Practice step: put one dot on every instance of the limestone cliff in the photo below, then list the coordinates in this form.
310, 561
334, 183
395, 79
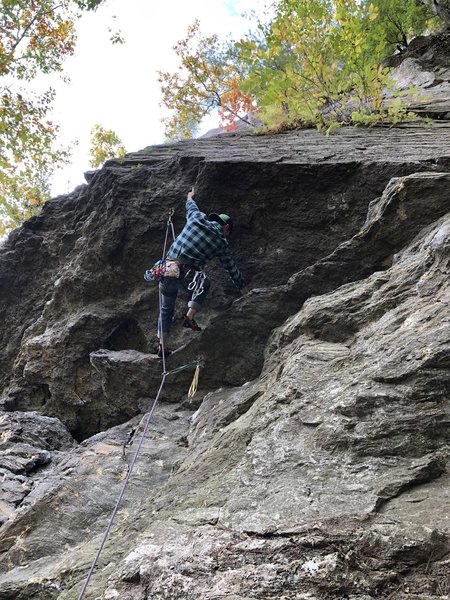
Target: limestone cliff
312, 463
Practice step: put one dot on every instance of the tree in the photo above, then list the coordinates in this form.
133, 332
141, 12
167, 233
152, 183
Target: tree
35, 38
105, 144
314, 61
291, 69
27, 156
401, 21
208, 79
319, 61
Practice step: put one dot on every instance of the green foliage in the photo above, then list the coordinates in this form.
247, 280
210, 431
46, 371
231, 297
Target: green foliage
208, 79
291, 68
312, 58
319, 61
105, 144
27, 158
115, 36
314, 62
402, 20
36, 36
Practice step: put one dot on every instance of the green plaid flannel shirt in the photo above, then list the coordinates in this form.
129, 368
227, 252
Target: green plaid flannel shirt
200, 241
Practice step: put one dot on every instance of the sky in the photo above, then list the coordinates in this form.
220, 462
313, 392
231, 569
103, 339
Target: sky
116, 85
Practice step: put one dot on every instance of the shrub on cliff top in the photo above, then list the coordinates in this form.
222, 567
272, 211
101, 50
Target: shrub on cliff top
313, 61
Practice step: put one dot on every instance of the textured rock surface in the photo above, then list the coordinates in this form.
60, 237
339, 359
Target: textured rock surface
313, 462
73, 276
29, 443
426, 67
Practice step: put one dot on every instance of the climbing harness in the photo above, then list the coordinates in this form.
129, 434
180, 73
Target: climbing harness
192, 390
157, 272
163, 268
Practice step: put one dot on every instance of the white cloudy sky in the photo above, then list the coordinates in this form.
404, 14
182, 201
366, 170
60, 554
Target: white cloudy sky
116, 85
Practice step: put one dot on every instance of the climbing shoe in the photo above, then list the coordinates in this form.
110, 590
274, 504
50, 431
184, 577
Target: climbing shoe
167, 352
191, 324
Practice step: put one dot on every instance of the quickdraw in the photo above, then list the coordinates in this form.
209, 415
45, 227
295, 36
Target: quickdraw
196, 285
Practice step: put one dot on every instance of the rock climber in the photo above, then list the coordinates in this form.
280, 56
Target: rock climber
201, 239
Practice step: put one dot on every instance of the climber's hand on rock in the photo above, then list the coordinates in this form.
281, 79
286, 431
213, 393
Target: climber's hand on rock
191, 194
244, 291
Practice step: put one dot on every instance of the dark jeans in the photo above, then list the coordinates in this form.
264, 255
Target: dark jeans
169, 287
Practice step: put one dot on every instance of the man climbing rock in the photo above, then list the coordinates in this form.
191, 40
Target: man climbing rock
202, 239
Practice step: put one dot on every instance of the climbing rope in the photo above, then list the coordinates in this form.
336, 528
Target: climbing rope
169, 224
194, 363
198, 364
122, 490
163, 345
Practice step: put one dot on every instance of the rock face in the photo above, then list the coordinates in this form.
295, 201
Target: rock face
313, 461
426, 67
29, 442
73, 277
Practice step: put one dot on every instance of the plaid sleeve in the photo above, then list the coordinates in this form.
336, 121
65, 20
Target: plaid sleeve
229, 265
191, 208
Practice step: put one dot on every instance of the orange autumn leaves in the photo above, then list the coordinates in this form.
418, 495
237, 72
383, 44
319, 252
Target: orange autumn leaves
312, 62
206, 80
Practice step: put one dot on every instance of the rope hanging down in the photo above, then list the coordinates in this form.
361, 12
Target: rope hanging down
162, 340
197, 363
122, 490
